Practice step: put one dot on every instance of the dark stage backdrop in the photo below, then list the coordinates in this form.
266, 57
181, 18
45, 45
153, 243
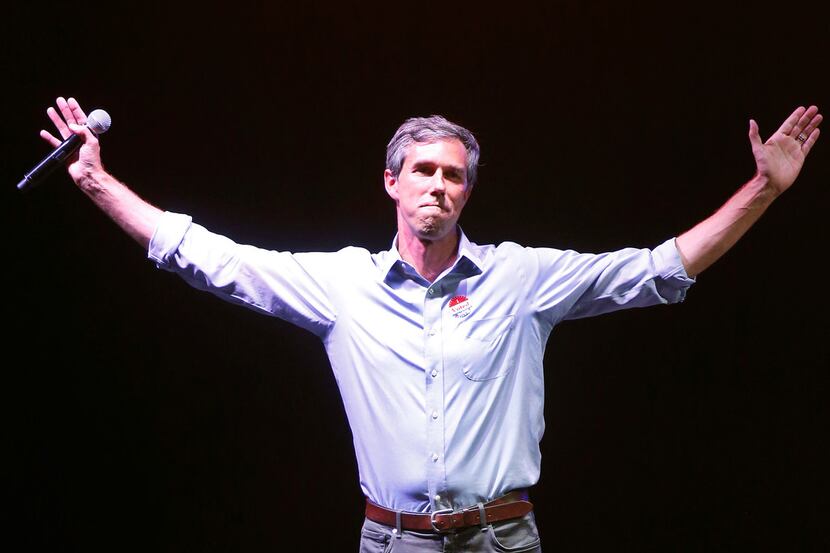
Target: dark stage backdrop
142, 415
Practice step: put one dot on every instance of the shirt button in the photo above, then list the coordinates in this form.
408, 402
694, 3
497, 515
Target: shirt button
434, 373
435, 414
437, 497
431, 291
434, 457
432, 332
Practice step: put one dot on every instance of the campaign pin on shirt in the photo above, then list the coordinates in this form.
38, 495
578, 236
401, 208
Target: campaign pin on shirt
460, 307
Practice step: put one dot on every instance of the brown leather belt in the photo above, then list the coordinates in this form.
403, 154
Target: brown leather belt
512, 505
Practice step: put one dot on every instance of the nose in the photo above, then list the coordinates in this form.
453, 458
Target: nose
437, 185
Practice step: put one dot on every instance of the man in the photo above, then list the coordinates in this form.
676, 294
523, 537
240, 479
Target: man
437, 344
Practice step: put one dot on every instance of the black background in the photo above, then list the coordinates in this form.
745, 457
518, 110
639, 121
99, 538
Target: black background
142, 415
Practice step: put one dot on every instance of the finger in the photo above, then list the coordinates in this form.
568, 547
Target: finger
813, 124
788, 124
804, 120
60, 124
75, 107
84, 132
808, 144
66, 111
78, 129
48, 137
754, 135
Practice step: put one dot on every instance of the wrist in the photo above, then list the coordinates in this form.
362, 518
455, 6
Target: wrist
92, 179
762, 189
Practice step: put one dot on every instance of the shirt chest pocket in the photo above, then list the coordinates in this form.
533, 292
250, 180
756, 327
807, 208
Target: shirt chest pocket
484, 349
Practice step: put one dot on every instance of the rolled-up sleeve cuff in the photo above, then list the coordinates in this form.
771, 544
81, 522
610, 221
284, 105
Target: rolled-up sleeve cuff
667, 262
673, 280
168, 235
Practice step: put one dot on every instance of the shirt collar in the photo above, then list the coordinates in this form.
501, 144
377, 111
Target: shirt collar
468, 260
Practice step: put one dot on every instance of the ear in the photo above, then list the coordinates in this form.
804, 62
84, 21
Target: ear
391, 184
468, 190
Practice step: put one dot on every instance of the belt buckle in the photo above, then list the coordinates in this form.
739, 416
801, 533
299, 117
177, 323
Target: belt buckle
439, 512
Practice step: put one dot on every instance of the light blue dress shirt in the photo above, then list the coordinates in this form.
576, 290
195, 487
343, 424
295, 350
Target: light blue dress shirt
442, 382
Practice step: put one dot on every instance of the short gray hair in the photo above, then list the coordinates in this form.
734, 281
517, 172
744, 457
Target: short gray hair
430, 129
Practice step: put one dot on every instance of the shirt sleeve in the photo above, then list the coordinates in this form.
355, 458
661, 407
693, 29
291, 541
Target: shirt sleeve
573, 285
291, 286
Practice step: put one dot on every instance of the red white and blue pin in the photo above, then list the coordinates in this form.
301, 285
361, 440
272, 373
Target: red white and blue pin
460, 307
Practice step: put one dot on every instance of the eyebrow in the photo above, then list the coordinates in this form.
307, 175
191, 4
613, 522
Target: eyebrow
428, 163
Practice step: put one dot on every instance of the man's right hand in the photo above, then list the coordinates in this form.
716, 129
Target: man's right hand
69, 118
135, 216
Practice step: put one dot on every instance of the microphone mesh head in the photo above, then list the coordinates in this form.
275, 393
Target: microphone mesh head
99, 121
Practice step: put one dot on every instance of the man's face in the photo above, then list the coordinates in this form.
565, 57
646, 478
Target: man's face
431, 189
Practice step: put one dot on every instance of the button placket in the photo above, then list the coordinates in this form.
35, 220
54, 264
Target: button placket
434, 404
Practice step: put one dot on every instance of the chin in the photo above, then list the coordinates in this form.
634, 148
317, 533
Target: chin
432, 229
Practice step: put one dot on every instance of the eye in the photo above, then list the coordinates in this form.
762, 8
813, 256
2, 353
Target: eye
426, 170
454, 176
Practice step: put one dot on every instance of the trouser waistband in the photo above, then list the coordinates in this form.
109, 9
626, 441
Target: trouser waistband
511, 505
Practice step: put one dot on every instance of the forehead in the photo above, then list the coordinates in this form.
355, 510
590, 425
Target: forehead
447, 152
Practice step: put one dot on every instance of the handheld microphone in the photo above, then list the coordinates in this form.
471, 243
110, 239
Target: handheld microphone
98, 121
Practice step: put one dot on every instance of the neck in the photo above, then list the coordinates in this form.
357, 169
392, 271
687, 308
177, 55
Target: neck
429, 257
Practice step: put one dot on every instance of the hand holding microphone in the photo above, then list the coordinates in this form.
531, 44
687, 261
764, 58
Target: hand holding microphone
78, 132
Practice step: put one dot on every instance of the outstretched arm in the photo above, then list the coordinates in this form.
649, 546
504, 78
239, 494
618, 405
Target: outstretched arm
778, 162
135, 216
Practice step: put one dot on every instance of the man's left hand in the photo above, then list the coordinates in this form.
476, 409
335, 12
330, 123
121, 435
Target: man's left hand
780, 158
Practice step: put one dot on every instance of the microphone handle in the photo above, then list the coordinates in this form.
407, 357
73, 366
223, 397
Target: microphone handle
50, 162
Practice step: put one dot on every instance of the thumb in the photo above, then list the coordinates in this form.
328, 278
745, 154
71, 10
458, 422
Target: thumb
78, 129
754, 136
83, 131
